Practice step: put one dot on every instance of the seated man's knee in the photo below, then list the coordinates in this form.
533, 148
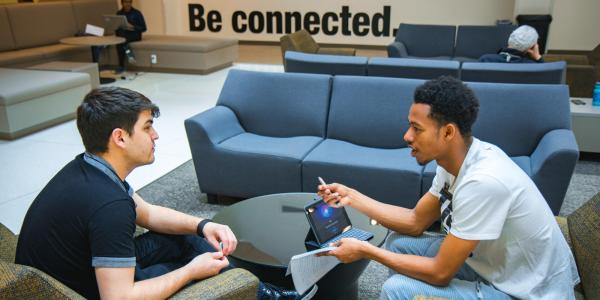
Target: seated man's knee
398, 287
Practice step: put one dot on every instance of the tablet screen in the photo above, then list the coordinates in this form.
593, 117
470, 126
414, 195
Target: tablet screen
326, 221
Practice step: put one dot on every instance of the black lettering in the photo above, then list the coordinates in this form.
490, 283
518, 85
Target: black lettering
195, 12
311, 18
292, 16
238, 15
214, 21
360, 19
334, 29
256, 22
274, 17
384, 18
345, 15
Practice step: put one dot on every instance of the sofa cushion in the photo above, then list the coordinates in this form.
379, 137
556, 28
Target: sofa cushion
40, 83
370, 111
92, 12
584, 229
182, 43
278, 105
292, 147
41, 23
256, 165
7, 41
388, 175
525, 112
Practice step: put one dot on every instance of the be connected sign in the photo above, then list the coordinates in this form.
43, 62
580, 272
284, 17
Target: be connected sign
344, 22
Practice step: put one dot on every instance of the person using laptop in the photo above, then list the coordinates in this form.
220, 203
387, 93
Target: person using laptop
131, 34
80, 228
500, 239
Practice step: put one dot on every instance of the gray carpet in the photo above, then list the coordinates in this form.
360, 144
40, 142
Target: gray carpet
179, 190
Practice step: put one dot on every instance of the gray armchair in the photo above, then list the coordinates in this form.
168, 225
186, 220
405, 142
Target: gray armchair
302, 41
413, 40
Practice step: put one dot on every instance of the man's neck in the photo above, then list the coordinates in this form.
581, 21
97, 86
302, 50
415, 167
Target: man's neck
454, 159
119, 166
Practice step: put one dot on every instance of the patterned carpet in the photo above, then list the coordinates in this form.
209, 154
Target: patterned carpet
179, 190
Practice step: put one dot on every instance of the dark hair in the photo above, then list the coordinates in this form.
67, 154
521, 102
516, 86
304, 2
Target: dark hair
106, 108
451, 101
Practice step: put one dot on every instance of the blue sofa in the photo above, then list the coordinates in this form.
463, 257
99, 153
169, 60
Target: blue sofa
550, 73
544, 73
467, 43
276, 132
300, 62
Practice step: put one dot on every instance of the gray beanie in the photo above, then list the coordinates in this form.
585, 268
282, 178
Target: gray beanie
523, 38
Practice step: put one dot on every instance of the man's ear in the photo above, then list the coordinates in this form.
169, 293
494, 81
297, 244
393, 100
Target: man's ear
117, 137
450, 130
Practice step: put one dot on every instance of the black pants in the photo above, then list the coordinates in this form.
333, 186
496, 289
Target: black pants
157, 254
130, 36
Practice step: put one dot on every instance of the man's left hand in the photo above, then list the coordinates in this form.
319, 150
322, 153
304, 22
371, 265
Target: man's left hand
349, 250
215, 233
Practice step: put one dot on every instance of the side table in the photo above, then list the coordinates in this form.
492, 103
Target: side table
586, 125
95, 42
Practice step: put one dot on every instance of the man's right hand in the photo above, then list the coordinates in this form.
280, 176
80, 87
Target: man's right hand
534, 52
335, 194
207, 265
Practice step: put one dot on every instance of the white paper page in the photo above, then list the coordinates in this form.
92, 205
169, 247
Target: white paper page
94, 30
307, 268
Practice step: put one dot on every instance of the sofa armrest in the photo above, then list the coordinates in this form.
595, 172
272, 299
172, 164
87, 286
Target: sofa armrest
581, 80
216, 124
233, 284
570, 59
337, 51
552, 165
25, 282
397, 49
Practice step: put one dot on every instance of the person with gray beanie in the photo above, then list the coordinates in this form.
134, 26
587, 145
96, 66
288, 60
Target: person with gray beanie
522, 48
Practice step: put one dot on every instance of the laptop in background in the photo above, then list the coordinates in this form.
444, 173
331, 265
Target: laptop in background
114, 22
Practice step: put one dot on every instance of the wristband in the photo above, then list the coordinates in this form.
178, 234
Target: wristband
200, 228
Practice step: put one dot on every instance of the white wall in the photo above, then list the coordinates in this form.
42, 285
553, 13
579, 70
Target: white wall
454, 12
575, 23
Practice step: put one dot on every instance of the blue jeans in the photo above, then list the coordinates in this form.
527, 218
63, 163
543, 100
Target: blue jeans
466, 283
157, 254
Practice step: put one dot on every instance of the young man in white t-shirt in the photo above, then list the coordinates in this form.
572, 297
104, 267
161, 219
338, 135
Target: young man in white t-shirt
500, 238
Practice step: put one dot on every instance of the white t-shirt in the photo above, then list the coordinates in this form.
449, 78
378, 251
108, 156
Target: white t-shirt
522, 251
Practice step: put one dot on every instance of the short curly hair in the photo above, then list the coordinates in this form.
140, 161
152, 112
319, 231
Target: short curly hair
451, 101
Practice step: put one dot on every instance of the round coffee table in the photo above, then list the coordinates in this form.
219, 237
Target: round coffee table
271, 229
95, 42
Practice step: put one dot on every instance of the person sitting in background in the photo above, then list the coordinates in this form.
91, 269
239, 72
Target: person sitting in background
138, 25
522, 48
